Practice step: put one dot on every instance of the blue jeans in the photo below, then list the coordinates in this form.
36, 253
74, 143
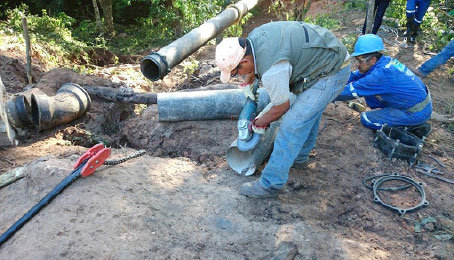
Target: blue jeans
299, 127
417, 9
441, 58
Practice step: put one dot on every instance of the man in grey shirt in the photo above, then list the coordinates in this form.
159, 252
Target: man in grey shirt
303, 68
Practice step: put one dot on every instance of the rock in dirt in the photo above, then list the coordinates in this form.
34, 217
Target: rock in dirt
285, 251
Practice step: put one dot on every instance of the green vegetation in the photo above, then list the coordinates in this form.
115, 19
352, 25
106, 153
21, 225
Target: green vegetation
349, 41
65, 32
56, 43
437, 24
62, 39
324, 20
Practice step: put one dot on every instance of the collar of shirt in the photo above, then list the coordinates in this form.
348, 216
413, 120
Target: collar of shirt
383, 59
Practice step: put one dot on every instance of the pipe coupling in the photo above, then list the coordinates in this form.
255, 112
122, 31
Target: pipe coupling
154, 66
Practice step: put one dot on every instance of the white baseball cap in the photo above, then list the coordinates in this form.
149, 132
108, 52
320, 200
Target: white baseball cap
229, 53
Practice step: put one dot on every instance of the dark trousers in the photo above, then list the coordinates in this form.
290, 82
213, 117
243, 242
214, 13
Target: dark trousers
379, 10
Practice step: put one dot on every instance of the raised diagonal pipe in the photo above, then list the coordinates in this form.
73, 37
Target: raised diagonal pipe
157, 64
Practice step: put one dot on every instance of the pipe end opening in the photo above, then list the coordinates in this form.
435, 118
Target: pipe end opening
154, 67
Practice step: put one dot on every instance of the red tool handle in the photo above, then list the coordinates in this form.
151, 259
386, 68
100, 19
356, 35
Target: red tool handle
88, 154
95, 161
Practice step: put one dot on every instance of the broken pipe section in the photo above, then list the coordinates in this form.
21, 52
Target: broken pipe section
220, 104
246, 162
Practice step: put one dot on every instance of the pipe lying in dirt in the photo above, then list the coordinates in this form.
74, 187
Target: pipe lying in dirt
157, 64
70, 102
246, 162
205, 105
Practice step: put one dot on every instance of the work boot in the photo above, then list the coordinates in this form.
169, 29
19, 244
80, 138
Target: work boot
415, 32
255, 190
419, 73
410, 28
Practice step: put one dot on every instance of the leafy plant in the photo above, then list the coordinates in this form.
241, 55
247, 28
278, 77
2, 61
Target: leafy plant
355, 5
324, 20
236, 30
293, 10
190, 66
349, 41
51, 36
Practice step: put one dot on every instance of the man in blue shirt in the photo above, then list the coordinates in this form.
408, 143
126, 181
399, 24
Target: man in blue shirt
396, 95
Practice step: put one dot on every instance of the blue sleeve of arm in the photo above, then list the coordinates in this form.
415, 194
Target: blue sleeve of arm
346, 94
374, 83
354, 76
373, 102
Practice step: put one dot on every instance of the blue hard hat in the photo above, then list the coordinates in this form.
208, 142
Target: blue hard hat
368, 43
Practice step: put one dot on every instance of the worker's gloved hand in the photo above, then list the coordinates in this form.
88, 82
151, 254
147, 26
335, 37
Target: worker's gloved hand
357, 106
248, 90
257, 129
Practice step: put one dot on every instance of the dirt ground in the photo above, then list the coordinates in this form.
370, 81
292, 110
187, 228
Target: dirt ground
181, 201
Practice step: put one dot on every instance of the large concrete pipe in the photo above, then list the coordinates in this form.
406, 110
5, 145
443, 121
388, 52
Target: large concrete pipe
70, 102
246, 162
205, 105
157, 64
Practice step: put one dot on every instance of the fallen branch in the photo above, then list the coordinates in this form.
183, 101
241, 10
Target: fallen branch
121, 95
8, 161
12, 176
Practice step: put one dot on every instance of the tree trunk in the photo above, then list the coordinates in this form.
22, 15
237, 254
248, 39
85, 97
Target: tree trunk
106, 6
370, 16
99, 28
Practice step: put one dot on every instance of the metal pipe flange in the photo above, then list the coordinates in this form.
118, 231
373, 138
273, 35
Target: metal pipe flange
374, 178
418, 185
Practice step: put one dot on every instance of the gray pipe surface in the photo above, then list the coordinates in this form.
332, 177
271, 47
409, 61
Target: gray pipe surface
70, 102
157, 64
205, 105
246, 162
